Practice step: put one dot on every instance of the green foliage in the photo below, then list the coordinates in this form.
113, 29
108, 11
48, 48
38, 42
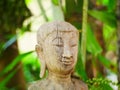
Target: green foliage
110, 37
5, 81
73, 6
100, 84
92, 44
101, 87
11, 19
110, 4
55, 2
103, 2
4, 88
105, 17
14, 63
107, 63
31, 67
13, 12
27, 2
8, 43
79, 69
31, 73
10, 67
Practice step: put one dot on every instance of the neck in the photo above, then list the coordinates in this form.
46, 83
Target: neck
60, 78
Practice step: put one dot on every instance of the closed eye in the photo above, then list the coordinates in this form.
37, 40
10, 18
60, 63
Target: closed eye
73, 45
59, 45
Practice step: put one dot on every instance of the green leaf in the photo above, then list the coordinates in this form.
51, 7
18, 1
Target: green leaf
73, 6
4, 88
107, 63
112, 5
92, 44
110, 37
27, 2
28, 75
108, 32
103, 2
101, 87
5, 81
14, 63
105, 17
55, 2
79, 69
8, 43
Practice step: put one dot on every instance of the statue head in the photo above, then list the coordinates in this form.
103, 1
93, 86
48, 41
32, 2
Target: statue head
57, 47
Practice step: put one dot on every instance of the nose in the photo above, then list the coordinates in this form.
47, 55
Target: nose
67, 52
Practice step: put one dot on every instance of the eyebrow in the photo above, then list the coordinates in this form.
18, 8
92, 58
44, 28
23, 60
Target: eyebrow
57, 38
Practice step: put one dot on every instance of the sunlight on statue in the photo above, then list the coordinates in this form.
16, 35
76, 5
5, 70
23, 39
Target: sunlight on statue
57, 50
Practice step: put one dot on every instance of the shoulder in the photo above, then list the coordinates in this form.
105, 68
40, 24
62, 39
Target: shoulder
37, 85
80, 84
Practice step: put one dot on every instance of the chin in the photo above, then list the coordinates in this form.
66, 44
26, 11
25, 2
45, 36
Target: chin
66, 69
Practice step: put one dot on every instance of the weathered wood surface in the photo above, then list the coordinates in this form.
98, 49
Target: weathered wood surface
57, 50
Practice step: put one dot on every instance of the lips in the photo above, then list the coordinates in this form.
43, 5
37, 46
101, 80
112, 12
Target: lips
67, 61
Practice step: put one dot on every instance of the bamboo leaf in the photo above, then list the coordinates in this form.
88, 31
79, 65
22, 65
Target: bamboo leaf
105, 17
107, 63
92, 44
5, 81
104, 60
8, 43
15, 62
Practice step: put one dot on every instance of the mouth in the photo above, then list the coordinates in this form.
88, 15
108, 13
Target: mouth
67, 62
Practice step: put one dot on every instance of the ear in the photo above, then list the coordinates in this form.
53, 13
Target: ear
39, 51
40, 54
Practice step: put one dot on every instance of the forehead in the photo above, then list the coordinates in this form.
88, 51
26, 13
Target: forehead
63, 34
55, 29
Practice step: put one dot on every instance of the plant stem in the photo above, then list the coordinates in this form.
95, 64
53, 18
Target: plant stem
84, 31
118, 34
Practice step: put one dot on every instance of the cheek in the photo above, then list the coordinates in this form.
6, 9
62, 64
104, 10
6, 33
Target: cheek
75, 52
58, 50
50, 53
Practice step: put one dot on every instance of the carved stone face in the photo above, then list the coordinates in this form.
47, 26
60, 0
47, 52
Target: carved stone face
60, 51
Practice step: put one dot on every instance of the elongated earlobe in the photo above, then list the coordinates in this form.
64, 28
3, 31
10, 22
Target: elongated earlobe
42, 61
43, 69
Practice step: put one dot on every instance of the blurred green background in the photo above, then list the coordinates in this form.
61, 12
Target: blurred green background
19, 21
